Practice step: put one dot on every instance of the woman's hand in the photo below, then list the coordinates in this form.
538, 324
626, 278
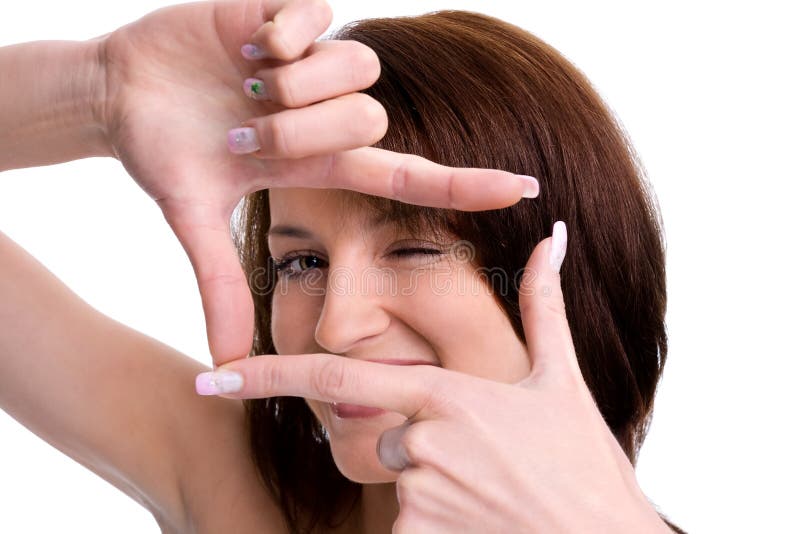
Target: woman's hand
174, 87
477, 455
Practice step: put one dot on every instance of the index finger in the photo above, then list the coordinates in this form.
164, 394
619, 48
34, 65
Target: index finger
412, 390
406, 177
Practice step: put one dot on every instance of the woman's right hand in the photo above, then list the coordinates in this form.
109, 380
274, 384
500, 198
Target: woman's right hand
174, 87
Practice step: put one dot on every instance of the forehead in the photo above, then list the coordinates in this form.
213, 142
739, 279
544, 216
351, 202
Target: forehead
285, 201
325, 214
338, 211
314, 206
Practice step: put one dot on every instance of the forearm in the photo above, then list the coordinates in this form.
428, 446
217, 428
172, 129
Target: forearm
50, 94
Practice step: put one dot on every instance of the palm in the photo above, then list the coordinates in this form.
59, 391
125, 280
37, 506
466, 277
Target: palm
174, 90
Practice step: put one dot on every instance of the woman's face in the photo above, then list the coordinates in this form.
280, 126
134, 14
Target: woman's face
371, 292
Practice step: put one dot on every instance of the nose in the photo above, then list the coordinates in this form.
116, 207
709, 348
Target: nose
352, 310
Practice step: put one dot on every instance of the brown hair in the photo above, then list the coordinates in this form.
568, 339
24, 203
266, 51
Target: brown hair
467, 90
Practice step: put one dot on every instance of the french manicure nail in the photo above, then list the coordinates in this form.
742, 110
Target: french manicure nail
243, 140
531, 186
251, 51
254, 88
558, 245
216, 382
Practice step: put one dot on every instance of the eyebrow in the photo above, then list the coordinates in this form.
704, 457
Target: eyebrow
290, 231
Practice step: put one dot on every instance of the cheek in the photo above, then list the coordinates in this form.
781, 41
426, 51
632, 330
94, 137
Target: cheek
470, 333
294, 318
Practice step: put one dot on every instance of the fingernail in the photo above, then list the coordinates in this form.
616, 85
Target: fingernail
254, 88
216, 382
531, 186
251, 51
243, 140
558, 245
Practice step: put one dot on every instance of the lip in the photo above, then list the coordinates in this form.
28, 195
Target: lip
352, 411
396, 361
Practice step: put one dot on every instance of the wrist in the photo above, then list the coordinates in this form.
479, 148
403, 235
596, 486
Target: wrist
85, 99
56, 88
97, 95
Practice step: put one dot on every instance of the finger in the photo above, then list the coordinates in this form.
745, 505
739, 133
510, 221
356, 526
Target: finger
544, 317
332, 68
416, 180
391, 451
291, 30
404, 177
342, 123
227, 304
427, 443
416, 391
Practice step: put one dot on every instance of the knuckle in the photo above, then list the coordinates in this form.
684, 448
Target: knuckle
269, 379
284, 85
323, 13
543, 298
443, 400
278, 135
552, 302
400, 178
276, 43
331, 379
451, 192
417, 443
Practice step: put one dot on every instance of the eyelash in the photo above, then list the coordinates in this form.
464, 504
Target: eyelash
281, 265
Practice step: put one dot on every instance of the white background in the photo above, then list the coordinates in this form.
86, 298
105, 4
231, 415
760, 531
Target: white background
708, 92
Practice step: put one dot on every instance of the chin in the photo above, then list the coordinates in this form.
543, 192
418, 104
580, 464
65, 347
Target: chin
362, 466
355, 452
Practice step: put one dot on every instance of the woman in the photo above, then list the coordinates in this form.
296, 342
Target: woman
481, 105
522, 107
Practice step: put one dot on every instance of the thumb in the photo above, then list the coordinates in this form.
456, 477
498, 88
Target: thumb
205, 235
544, 317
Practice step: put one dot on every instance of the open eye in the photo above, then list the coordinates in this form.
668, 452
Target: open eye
297, 263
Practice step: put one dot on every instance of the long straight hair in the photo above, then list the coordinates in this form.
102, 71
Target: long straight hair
468, 90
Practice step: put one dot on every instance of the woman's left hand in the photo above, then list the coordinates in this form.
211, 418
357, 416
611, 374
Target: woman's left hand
477, 455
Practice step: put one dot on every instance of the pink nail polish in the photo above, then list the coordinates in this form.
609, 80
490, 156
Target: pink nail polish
558, 245
531, 186
254, 88
243, 140
251, 51
216, 382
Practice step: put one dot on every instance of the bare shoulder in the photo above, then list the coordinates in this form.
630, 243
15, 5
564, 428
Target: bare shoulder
219, 483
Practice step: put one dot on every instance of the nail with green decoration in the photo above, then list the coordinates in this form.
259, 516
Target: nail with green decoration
254, 88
